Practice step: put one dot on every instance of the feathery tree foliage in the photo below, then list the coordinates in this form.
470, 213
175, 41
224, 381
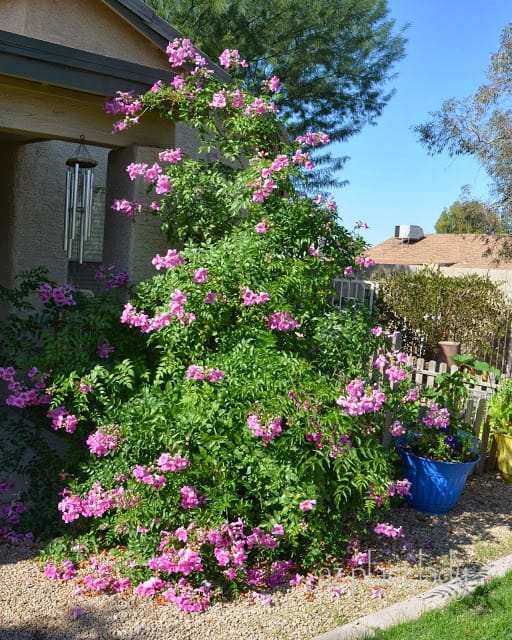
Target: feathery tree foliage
334, 58
481, 126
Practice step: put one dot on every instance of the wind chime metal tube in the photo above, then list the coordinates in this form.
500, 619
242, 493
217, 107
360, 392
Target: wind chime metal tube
79, 192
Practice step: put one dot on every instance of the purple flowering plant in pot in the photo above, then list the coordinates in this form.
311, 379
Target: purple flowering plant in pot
438, 448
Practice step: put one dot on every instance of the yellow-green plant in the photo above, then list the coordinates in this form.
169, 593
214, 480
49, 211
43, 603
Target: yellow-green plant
500, 409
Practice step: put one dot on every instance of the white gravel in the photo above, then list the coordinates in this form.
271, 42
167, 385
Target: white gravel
33, 607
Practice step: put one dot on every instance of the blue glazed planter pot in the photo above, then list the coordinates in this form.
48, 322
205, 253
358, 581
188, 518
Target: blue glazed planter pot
436, 486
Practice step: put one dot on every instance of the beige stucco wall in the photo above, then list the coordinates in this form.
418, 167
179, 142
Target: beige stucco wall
90, 25
32, 219
131, 243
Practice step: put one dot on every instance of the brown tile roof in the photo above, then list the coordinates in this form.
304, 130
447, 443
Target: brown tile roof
476, 251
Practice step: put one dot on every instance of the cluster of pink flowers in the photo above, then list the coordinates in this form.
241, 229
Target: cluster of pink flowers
65, 571
105, 350
128, 207
174, 463
171, 259
152, 474
302, 158
61, 296
249, 297
365, 262
197, 372
61, 419
112, 277
31, 394
282, 321
264, 189
261, 228
313, 139
397, 429
102, 579
187, 597
200, 275
268, 431
258, 106
388, 530
264, 185
103, 440
436, 417
172, 156
190, 499
307, 505
360, 400
184, 560
153, 175
272, 84
400, 487
144, 474
97, 502
127, 103
133, 318
182, 51
231, 59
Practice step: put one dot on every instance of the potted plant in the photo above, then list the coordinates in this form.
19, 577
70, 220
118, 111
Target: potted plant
437, 448
500, 422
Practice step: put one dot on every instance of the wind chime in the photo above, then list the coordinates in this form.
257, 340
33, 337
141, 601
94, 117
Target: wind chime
79, 191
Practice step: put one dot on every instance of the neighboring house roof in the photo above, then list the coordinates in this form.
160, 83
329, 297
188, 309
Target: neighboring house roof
464, 251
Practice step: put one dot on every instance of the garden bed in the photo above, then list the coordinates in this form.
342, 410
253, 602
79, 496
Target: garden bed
476, 531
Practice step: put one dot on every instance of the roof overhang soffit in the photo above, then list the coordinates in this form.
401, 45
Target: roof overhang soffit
57, 65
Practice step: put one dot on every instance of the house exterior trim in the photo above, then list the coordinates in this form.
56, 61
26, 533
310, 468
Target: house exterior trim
57, 65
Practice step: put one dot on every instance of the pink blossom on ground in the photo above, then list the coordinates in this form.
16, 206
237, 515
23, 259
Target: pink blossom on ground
388, 530
76, 612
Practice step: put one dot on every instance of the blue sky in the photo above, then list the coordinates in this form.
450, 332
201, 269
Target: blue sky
392, 179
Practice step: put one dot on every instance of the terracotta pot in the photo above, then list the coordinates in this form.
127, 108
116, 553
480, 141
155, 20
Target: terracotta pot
447, 349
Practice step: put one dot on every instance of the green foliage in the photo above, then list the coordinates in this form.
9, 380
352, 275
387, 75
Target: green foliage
469, 216
228, 362
428, 307
500, 408
483, 614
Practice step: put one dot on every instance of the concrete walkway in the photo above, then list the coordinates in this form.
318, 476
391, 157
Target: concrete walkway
412, 608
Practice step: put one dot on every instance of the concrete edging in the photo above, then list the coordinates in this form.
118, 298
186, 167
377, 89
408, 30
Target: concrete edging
412, 608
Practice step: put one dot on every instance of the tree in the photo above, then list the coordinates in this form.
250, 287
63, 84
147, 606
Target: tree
469, 216
481, 126
333, 57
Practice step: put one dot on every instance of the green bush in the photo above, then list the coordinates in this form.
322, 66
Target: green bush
427, 307
210, 443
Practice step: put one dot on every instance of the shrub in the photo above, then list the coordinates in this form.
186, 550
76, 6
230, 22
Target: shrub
427, 307
215, 445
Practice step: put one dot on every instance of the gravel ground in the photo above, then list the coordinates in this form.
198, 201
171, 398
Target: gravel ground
476, 531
